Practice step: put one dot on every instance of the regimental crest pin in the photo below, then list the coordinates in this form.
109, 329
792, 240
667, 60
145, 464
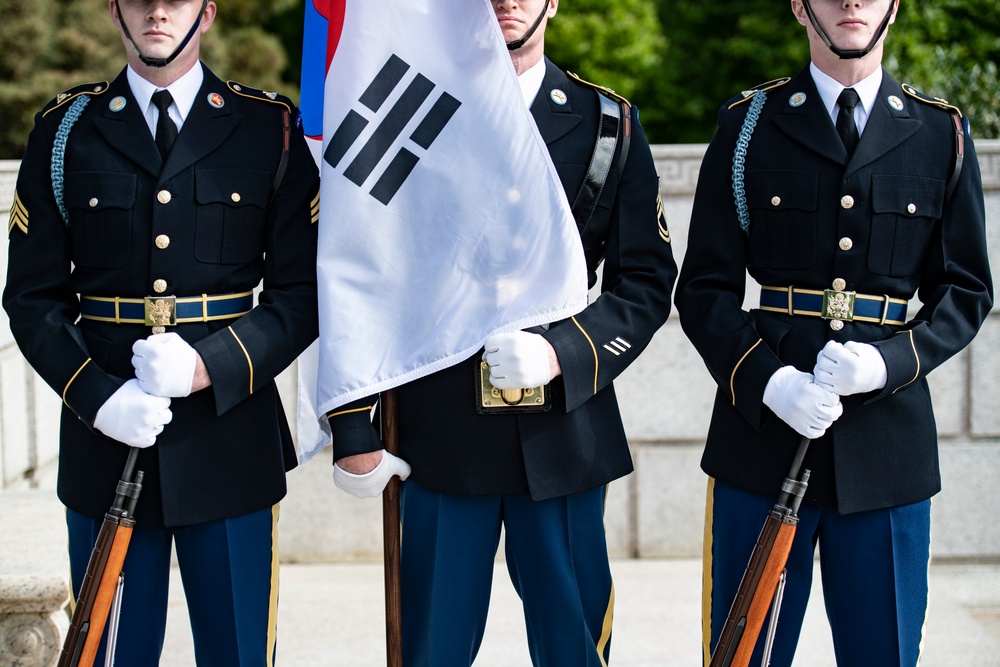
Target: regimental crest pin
797, 99
216, 100
558, 96
895, 102
117, 104
270, 94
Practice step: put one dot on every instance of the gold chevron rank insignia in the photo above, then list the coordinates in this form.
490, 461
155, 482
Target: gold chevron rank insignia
18, 216
661, 219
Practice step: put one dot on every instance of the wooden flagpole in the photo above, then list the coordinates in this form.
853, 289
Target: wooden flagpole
391, 535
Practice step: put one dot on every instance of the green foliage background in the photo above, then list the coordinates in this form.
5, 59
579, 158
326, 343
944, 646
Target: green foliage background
677, 60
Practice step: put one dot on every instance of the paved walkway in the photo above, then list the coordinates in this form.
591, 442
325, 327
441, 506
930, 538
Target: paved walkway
333, 615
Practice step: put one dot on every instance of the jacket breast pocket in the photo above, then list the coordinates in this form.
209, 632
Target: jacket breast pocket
782, 209
231, 212
904, 212
100, 217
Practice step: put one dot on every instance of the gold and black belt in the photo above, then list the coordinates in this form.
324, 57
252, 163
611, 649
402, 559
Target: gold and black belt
838, 306
165, 311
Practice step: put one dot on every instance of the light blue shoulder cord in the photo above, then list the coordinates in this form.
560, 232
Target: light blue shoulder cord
59, 151
739, 159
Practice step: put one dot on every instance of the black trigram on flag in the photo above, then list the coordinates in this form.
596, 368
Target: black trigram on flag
389, 129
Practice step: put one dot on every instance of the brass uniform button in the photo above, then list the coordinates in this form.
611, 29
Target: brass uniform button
846, 243
160, 286
839, 284
775, 200
836, 325
93, 202
847, 201
911, 209
235, 197
162, 241
163, 196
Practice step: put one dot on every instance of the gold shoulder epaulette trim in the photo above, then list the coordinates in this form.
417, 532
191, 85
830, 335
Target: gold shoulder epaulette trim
607, 91
927, 99
98, 88
257, 94
748, 94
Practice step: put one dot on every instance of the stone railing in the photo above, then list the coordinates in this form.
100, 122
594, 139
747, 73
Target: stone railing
658, 511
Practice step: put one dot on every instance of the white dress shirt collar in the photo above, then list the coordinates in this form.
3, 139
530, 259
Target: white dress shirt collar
531, 81
830, 89
184, 91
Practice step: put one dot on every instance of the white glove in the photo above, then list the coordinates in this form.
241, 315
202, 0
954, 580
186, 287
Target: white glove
801, 403
371, 483
851, 368
164, 365
132, 416
517, 360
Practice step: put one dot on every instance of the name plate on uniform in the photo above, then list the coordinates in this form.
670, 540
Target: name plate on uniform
490, 400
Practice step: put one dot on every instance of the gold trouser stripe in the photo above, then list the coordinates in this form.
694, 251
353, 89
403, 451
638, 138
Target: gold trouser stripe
246, 354
66, 388
732, 377
609, 614
272, 610
913, 344
706, 575
331, 415
593, 349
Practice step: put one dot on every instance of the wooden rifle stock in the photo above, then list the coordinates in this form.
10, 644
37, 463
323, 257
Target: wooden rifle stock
103, 569
760, 580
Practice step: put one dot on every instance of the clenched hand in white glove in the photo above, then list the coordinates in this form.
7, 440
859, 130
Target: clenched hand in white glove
851, 368
798, 401
132, 416
164, 365
518, 360
371, 483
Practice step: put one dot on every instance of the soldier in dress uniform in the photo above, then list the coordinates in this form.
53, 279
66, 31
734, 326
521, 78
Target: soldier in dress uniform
871, 258
146, 212
527, 434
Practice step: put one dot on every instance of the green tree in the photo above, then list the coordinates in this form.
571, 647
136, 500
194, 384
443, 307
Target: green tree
618, 45
949, 48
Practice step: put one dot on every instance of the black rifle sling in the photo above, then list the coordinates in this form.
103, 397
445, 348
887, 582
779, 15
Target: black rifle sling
608, 130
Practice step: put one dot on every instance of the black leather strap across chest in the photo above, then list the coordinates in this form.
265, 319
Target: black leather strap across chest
609, 128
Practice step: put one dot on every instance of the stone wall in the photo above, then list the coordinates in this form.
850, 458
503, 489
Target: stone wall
666, 399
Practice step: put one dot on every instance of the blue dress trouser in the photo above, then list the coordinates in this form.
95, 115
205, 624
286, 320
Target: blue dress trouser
557, 557
229, 569
873, 567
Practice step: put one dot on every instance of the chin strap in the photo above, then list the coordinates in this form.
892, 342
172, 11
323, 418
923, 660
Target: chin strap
849, 54
160, 62
518, 43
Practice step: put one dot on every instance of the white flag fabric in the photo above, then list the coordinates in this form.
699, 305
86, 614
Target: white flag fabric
442, 219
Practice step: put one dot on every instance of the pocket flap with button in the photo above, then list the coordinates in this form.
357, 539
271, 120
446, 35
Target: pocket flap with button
782, 189
99, 190
233, 187
907, 195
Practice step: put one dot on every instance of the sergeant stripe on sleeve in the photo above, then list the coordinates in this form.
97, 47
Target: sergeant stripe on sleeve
661, 219
18, 216
314, 206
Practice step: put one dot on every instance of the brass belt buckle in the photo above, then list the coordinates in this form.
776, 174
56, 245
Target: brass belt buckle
160, 312
838, 305
531, 399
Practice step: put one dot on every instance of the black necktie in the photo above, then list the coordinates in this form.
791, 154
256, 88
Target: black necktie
846, 127
166, 131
